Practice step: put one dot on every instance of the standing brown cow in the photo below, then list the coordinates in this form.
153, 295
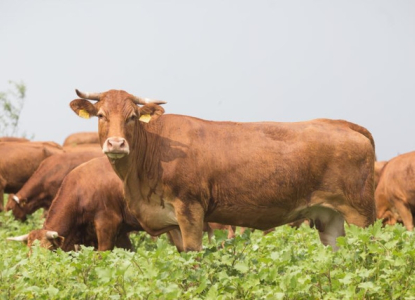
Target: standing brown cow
89, 209
42, 186
179, 171
395, 193
18, 161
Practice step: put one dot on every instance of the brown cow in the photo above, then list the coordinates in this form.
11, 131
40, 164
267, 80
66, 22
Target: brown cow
395, 193
83, 148
180, 171
81, 138
378, 170
39, 191
13, 139
87, 210
19, 161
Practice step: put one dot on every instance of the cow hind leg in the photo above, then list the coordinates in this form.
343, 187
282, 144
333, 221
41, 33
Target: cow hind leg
330, 225
405, 212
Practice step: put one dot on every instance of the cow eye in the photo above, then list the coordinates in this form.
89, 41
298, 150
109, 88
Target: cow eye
100, 116
132, 118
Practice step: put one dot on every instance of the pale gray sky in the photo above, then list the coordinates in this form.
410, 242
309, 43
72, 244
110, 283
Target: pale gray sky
233, 60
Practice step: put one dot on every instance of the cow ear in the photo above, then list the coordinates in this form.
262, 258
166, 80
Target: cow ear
58, 242
150, 112
23, 202
83, 108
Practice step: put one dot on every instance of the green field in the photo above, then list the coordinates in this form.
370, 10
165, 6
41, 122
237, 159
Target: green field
372, 263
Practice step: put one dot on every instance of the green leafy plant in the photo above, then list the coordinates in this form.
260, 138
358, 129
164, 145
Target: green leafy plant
11, 105
372, 263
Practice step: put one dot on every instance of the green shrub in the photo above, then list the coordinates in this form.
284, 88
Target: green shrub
372, 263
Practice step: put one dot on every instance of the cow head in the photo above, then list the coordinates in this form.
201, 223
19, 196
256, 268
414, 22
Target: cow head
16, 205
47, 239
119, 115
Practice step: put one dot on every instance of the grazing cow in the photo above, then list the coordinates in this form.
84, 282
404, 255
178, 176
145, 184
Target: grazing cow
180, 171
81, 138
42, 186
89, 209
13, 139
18, 161
395, 193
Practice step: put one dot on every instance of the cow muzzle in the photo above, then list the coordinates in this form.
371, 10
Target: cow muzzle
115, 147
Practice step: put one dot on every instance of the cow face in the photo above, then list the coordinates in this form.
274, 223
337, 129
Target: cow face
119, 118
16, 205
47, 239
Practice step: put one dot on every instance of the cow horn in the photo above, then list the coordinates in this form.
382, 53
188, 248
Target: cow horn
139, 100
89, 96
22, 238
16, 199
51, 234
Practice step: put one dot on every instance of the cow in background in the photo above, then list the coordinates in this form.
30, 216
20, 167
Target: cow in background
395, 193
89, 209
39, 191
79, 138
18, 161
83, 148
13, 139
179, 171
378, 170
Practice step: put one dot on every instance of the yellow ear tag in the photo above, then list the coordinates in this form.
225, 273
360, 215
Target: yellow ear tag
83, 114
145, 118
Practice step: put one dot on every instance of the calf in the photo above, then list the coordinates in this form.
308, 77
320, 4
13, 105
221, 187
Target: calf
39, 191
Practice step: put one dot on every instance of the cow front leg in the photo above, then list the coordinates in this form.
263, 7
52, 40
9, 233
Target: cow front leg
190, 217
106, 229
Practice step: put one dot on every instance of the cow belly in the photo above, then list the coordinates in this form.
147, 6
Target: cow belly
157, 219
253, 217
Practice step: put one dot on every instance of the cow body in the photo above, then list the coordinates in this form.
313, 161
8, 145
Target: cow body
395, 193
39, 191
18, 161
80, 138
180, 171
89, 209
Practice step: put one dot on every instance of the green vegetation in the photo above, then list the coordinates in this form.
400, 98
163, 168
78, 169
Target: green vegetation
11, 105
373, 263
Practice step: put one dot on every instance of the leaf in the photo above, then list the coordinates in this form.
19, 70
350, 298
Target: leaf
241, 267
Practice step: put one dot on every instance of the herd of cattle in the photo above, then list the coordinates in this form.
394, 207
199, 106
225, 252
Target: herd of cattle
161, 173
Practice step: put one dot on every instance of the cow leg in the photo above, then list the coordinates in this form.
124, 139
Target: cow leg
330, 225
190, 217
106, 228
2, 199
2, 187
405, 213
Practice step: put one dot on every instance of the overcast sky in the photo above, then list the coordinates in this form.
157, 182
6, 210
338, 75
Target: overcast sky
233, 60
